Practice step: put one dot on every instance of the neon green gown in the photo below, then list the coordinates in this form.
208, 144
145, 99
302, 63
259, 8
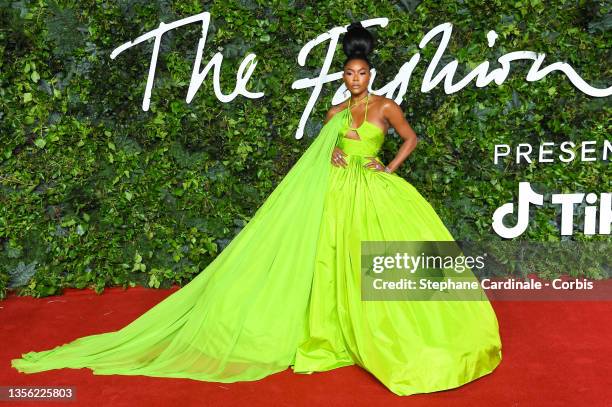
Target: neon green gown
286, 292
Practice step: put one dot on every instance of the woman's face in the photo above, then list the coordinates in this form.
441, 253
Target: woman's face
356, 76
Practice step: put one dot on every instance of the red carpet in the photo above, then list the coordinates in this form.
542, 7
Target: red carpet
554, 354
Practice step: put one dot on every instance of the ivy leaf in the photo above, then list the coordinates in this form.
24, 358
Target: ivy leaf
40, 142
154, 281
68, 223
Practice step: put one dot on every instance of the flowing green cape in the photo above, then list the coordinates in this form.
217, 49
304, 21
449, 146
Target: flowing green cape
241, 318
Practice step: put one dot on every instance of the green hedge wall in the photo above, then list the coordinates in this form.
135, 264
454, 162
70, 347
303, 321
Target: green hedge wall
96, 192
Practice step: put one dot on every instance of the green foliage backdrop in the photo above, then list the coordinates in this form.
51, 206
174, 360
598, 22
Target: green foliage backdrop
96, 192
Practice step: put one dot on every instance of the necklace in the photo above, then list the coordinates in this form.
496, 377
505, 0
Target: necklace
349, 117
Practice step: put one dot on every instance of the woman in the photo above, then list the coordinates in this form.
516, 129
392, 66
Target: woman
286, 290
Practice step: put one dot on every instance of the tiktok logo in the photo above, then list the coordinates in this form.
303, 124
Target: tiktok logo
528, 196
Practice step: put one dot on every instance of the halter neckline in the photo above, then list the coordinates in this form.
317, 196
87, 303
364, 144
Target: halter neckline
349, 118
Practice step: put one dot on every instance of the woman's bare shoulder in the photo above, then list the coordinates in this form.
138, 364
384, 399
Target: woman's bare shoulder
389, 104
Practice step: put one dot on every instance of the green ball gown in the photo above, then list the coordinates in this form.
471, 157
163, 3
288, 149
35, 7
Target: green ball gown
286, 292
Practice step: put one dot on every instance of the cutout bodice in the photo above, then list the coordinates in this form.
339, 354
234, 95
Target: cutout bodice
371, 137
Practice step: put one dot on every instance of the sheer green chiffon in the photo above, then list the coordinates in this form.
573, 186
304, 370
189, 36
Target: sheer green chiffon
242, 317
286, 292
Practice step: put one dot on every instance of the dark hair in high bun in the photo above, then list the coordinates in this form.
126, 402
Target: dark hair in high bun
357, 43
